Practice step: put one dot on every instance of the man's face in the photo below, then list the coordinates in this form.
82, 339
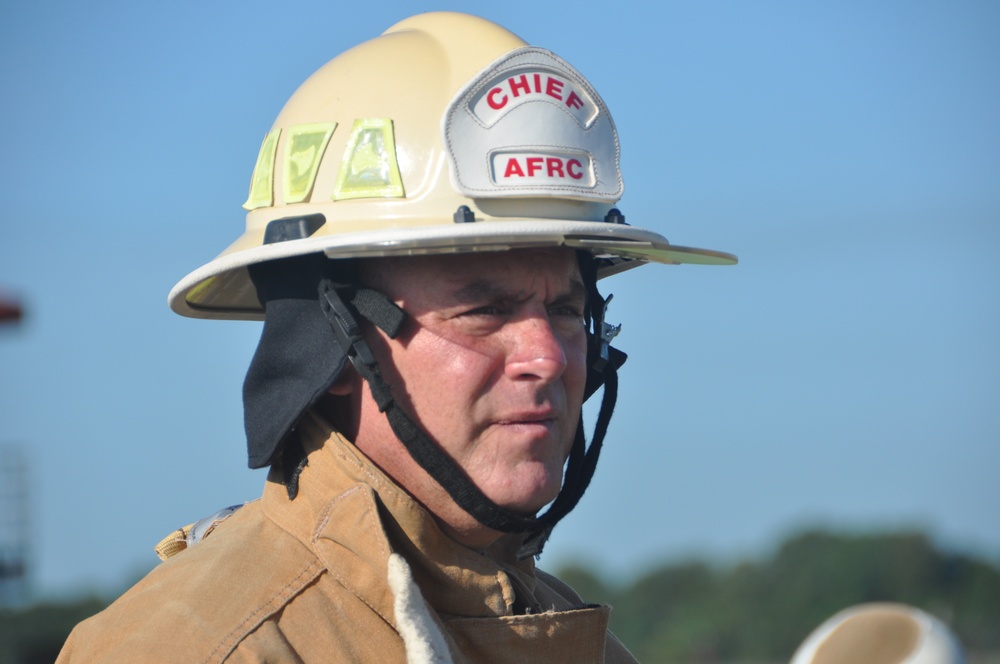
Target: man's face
491, 364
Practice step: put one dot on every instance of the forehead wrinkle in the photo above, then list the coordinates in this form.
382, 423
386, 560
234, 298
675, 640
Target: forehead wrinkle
480, 290
485, 290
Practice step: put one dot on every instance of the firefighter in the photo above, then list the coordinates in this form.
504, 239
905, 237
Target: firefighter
427, 223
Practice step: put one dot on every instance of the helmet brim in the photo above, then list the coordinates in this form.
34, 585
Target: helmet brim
222, 288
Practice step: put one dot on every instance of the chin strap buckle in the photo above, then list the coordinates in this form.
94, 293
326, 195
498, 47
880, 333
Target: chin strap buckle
606, 332
348, 332
351, 339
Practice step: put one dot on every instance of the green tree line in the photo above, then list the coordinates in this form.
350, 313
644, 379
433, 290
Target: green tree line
760, 611
696, 612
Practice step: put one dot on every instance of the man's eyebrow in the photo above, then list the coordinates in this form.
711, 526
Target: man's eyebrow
482, 290
577, 292
479, 290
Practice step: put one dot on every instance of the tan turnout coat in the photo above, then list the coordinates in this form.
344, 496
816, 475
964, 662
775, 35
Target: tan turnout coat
352, 570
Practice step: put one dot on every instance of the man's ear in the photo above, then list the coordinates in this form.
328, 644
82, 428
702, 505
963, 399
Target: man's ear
341, 403
348, 382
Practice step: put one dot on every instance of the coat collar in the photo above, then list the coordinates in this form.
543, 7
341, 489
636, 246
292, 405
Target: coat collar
354, 516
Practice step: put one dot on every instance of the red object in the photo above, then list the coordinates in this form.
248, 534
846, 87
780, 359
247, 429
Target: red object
10, 312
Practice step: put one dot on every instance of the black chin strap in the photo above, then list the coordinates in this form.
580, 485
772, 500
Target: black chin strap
580, 465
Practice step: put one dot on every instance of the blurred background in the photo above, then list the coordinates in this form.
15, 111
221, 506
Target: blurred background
838, 388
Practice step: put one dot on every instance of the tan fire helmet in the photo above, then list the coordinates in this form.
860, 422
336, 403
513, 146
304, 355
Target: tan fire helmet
445, 134
881, 633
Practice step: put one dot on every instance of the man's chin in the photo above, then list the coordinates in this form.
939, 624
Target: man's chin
529, 501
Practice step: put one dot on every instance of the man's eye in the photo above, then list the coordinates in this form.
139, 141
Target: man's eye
488, 310
566, 312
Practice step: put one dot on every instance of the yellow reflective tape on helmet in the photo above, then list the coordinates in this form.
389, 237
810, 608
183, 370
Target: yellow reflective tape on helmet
262, 180
369, 168
304, 149
197, 293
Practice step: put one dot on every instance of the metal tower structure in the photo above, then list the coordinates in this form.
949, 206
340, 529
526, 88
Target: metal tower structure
14, 526
15, 517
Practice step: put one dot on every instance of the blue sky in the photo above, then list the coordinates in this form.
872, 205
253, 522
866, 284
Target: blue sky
844, 374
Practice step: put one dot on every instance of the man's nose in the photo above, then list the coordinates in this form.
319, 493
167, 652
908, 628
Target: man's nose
535, 351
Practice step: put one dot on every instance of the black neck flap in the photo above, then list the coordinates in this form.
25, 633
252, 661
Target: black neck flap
297, 359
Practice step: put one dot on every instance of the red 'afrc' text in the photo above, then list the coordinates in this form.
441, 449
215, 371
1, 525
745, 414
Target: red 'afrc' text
540, 168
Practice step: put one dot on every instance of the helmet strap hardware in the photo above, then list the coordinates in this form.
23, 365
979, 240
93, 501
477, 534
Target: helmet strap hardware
348, 332
345, 326
606, 334
615, 216
293, 228
464, 215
